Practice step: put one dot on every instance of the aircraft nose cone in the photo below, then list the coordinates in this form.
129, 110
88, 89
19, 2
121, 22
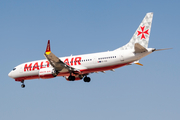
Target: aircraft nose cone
10, 75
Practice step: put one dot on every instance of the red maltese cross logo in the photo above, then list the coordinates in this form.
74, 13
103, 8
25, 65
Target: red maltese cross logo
143, 32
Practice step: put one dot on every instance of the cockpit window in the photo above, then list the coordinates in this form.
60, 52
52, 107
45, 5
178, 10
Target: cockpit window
14, 69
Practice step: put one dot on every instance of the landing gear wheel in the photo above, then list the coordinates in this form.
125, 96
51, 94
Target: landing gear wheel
87, 79
23, 85
71, 78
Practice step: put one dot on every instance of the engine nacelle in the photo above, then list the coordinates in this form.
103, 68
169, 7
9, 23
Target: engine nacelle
47, 73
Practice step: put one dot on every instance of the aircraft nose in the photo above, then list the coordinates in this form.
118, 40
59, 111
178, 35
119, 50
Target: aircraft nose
10, 75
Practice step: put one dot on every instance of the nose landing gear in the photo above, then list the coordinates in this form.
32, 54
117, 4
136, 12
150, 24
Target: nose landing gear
22, 85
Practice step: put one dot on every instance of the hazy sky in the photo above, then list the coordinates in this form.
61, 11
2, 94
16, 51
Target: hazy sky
151, 92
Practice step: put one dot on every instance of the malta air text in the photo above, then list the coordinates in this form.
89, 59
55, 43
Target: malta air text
45, 64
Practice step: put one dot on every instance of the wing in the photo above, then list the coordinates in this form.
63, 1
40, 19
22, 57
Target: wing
57, 63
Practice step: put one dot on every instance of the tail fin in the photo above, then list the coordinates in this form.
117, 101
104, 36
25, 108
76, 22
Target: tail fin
141, 35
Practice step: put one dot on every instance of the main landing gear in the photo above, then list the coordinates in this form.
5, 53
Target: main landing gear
87, 79
22, 85
71, 78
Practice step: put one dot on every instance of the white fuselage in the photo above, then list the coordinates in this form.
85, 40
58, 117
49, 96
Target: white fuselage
87, 63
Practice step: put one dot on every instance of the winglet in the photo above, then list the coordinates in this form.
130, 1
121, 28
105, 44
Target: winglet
48, 49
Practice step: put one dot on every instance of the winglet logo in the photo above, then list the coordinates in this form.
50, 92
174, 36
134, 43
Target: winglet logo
48, 50
143, 32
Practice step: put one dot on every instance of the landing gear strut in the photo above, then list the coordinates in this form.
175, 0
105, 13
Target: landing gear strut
22, 85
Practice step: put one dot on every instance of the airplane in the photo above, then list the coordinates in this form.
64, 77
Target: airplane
78, 67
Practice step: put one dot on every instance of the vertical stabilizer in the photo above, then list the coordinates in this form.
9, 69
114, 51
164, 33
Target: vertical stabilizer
141, 35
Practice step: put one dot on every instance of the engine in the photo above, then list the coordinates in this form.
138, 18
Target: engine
47, 73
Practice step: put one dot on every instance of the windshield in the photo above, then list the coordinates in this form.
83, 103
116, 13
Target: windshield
14, 69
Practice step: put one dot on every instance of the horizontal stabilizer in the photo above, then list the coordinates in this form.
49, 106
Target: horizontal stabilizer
137, 63
139, 48
161, 49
